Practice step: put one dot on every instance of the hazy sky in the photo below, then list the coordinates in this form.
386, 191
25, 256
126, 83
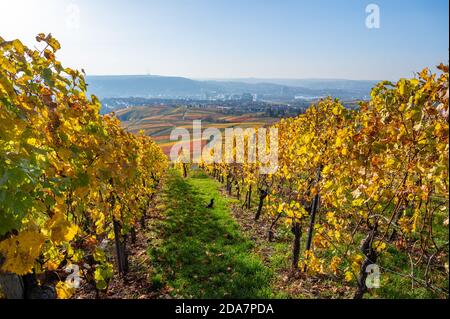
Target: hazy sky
231, 38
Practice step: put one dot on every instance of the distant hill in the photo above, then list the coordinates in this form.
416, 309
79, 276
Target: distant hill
361, 86
145, 86
179, 87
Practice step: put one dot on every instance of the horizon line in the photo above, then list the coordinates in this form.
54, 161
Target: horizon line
235, 78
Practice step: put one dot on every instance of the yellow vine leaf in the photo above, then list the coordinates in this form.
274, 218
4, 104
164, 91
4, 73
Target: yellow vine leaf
348, 276
63, 290
380, 246
61, 229
334, 265
21, 251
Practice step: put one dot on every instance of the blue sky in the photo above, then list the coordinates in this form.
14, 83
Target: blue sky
232, 39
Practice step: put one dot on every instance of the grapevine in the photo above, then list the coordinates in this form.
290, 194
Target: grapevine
355, 186
71, 179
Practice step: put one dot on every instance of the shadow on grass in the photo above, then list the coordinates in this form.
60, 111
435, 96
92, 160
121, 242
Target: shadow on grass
201, 252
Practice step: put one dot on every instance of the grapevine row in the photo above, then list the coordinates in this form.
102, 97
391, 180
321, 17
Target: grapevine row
357, 186
71, 180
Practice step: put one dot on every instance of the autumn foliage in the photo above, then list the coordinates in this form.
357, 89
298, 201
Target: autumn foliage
67, 173
358, 186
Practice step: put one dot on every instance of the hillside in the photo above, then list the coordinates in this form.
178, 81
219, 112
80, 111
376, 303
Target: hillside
159, 121
179, 87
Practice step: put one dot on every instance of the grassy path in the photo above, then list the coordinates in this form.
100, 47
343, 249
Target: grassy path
200, 252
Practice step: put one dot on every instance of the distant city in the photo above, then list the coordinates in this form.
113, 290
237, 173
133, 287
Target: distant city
274, 97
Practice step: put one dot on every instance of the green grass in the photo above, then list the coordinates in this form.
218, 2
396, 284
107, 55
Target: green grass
396, 285
201, 252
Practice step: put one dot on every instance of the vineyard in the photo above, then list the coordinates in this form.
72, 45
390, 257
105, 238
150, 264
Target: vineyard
359, 187
354, 190
72, 180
